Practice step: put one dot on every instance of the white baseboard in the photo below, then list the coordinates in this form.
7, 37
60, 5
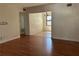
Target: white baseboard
62, 38
6, 40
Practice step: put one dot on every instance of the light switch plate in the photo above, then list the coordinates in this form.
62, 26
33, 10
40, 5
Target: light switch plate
3, 23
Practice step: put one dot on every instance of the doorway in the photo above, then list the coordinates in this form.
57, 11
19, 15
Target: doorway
22, 23
40, 23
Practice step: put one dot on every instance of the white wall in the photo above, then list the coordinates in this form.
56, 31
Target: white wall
66, 22
12, 30
36, 23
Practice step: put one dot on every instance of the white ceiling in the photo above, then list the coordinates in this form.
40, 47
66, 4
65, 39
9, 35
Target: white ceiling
21, 5
29, 4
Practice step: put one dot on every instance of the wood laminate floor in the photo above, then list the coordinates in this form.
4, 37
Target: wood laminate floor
39, 46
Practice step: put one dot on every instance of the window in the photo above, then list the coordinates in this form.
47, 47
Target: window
48, 22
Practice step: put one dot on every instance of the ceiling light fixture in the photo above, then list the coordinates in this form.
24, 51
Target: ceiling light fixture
69, 4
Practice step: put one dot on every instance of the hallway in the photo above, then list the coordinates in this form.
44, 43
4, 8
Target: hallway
38, 46
44, 34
